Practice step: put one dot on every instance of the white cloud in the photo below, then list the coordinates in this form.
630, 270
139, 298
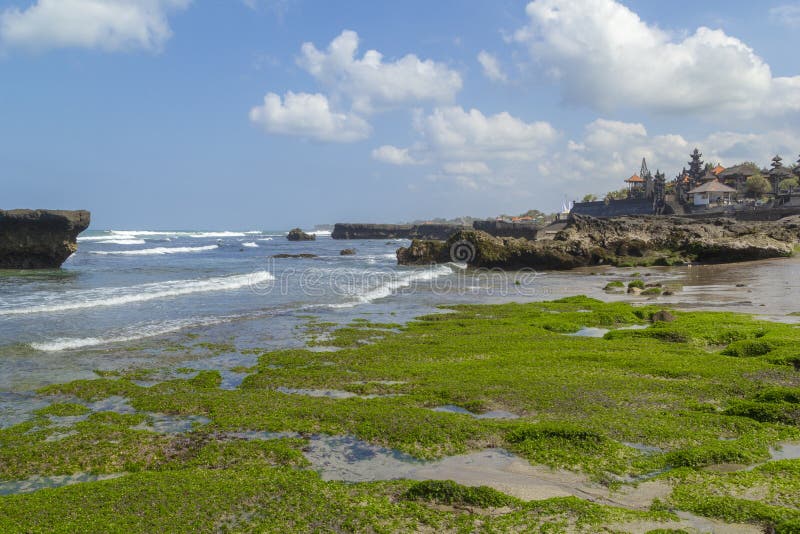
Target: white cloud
308, 115
370, 82
393, 155
474, 150
110, 25
786, 15
491, 67
456, 134
466, 167
606, 57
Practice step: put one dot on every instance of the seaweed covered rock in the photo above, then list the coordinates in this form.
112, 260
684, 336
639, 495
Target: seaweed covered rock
296, 234
423, 252
623, 241
39, 239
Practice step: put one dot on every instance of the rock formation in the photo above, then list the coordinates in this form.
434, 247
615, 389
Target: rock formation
347, 252
622, 241
296, 234
39, 239
394, 231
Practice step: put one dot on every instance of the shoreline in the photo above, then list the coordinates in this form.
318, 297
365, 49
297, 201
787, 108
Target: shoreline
399, 401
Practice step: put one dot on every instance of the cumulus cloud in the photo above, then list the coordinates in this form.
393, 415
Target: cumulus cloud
474, 150
393, 155
456, 134
786, 15
308, 115
491, 67
370, 82
109, 25
605, 56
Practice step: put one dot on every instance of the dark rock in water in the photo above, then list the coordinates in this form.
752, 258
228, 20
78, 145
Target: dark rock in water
662, 316
39, 239
293, 256
624, 241
423, 252
296, 234
347, 252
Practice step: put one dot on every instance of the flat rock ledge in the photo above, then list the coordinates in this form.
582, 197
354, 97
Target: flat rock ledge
624, 241
39, 239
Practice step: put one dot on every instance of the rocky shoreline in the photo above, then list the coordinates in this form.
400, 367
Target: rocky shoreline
39, 239
623, 241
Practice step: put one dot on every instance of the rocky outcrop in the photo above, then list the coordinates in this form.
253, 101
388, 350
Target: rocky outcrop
622, 241
394, 231
39, 239
347, 252
525, 230
296, 234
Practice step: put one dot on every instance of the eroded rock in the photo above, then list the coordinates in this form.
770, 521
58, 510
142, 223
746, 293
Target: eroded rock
39, 239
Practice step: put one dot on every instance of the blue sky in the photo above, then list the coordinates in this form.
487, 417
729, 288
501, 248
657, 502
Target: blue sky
247, 114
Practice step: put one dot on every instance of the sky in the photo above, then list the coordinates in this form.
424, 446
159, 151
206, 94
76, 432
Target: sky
270, 114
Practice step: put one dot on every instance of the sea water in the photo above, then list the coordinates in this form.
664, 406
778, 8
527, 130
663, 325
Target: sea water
134, 299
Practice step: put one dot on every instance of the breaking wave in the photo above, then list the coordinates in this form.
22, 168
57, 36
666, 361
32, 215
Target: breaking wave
396, 281
93, 298
157, 250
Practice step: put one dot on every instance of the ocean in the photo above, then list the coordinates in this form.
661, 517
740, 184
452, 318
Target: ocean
133, 299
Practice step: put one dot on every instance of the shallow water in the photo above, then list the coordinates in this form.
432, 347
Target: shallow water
36, 483
493, 414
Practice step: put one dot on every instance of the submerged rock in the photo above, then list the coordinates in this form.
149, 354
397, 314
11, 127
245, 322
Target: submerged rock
39, 239
662, 316
296, 234
347, 252
623, 241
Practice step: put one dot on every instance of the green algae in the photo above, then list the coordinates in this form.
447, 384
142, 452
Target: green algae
669, 387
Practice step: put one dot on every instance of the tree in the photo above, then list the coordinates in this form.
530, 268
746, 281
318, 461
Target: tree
788, 184
695, 166
591, 197
620, 194
534, 214
757, 186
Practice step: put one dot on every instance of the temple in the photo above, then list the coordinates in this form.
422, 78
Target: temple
703, 189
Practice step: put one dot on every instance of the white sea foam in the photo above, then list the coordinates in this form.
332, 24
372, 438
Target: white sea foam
156, 251
265, 239
121, 242
321, 232
94, 237
396, 281
116, 296
250, 244
130, 334
149, 233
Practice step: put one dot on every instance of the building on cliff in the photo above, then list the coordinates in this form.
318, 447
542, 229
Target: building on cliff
644, 195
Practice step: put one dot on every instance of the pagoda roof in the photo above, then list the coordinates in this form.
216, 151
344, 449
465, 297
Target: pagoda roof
635, 179
712, 186
718, 169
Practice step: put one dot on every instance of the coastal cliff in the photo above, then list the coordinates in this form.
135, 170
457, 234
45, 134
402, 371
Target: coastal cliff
623, 241
39, 239
394, 231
